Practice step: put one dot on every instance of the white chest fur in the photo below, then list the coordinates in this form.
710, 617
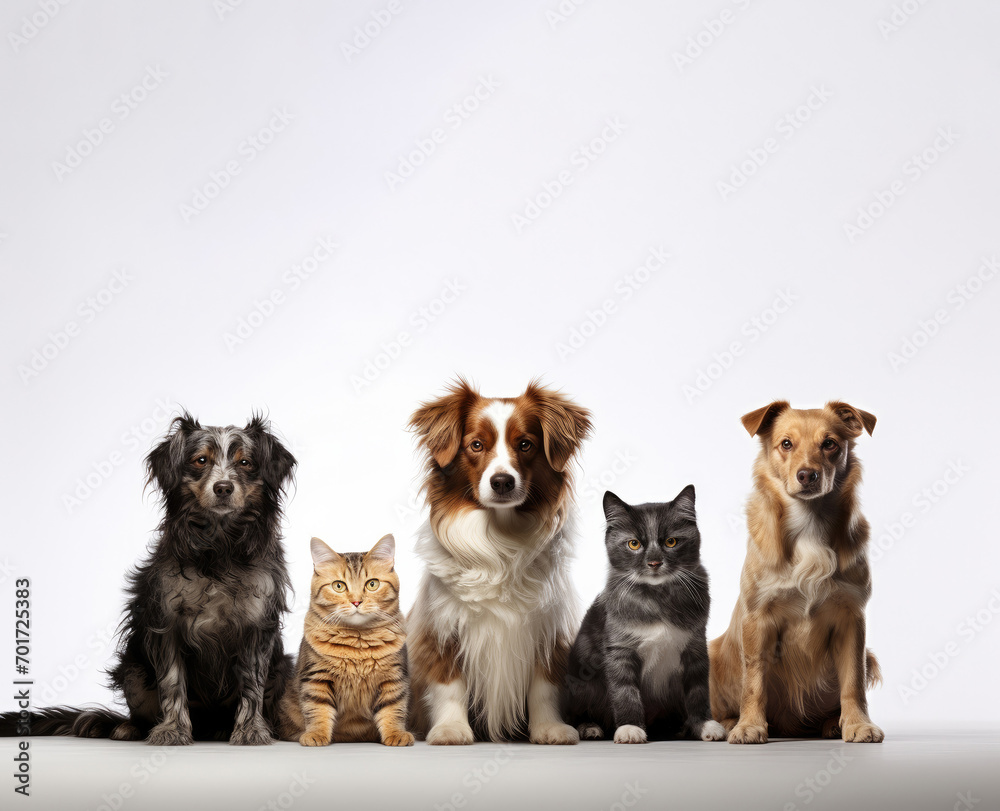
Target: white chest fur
660, 646
813, 562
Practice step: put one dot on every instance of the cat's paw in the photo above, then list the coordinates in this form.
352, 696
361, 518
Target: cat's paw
126, 731
628, 733
452, 734
590, 732
258, 735
862, 732
712, 731
399, 737
167, 734
748, 733
315, 739
831, 729
555, 734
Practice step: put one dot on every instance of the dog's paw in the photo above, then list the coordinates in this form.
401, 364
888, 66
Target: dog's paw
729, 723
452, 734
126, 731
399, 737
748, 733
555, 734
251, 736
315, 739
590, 732
863, 732
169, 735
628, 733
712, 731
831, 728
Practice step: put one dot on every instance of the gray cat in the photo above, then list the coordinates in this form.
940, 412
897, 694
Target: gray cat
640, 662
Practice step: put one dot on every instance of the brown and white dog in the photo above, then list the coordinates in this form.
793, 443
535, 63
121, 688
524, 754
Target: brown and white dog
495, 616
794, 657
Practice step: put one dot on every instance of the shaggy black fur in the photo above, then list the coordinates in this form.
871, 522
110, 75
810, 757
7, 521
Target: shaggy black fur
200, 652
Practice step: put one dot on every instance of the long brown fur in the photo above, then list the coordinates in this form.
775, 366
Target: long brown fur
351, 683
793, 660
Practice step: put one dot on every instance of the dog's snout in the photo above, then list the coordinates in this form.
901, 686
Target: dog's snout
223, 489
807, 476
502, 483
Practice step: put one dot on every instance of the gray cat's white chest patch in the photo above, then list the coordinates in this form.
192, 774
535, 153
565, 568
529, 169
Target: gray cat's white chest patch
659, 646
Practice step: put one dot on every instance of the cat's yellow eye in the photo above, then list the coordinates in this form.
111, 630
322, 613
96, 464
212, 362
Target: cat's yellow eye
339, 586
670, 543
634, 544
372, 585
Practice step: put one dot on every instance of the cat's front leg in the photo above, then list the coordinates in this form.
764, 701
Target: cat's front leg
319, 712
622, 668
391, 704
694, 682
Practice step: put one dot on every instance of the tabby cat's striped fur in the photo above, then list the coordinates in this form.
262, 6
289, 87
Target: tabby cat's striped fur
351, 682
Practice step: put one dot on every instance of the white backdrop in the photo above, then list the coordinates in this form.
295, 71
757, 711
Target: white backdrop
674, 212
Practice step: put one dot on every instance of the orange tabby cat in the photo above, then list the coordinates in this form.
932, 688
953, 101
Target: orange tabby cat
351, 682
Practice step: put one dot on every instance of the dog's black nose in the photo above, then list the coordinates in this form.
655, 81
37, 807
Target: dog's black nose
806, 476
223, 489
653, 564
502, 483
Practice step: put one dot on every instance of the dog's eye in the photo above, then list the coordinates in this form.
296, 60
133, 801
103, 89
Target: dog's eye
476, 445
786, 444
670, 543
245, 463
828, 444
525, 445
634, 544
339, 586
372, 585
201, 461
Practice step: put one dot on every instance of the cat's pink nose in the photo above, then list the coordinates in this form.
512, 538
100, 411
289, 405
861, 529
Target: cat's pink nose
355, 603
653, 564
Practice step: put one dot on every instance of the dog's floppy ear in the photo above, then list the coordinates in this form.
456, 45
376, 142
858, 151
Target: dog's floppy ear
165, 462
321, 553
855, 419
759, 421
564, 424
275, 463
439, 423
384, 550
684, 504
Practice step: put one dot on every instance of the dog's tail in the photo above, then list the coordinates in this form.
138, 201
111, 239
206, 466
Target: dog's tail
95, 722
873, 672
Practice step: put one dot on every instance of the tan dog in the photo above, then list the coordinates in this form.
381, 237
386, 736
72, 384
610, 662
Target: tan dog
794, 656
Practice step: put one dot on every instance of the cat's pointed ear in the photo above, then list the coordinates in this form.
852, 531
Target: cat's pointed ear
684, 504
614, 507
321, 553
384, 550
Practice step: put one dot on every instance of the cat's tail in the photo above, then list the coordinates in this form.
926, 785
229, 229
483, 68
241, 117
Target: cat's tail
95, 722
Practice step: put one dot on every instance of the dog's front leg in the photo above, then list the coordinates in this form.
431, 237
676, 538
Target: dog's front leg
250, 728
759, 635
545, 724
174, 728
448, 705
849, 658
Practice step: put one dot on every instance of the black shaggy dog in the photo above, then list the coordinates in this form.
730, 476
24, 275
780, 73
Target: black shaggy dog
200, 652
